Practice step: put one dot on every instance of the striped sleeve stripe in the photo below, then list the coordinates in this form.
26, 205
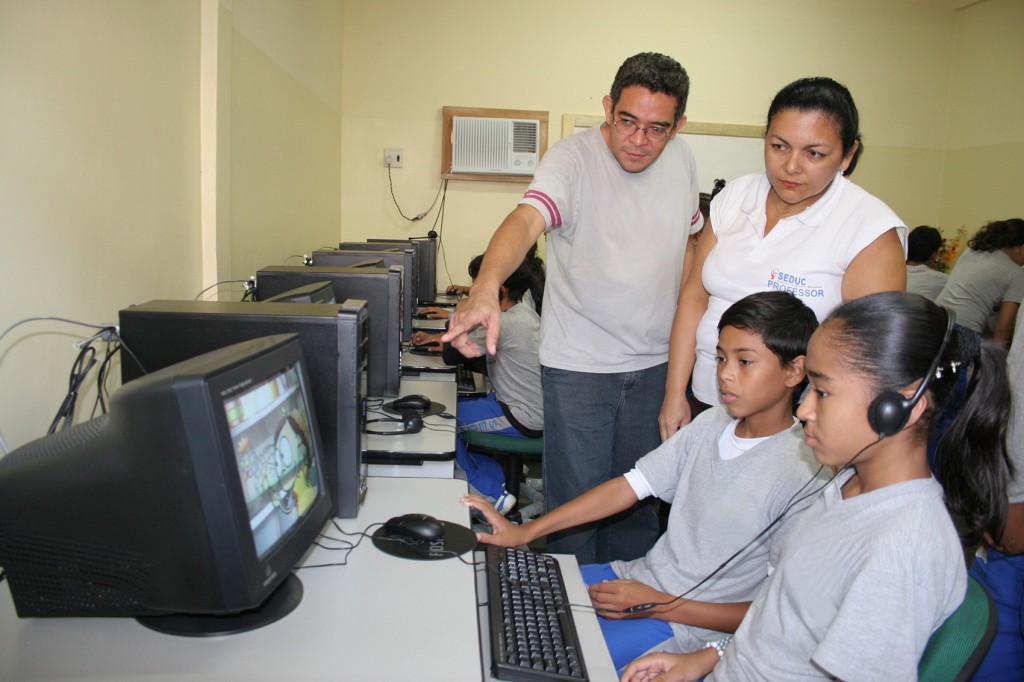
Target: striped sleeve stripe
549, 204
695, 217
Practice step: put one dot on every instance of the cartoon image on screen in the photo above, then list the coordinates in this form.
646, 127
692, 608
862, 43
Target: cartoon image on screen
270, 429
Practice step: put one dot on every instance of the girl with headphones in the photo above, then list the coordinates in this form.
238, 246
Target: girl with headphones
873, 568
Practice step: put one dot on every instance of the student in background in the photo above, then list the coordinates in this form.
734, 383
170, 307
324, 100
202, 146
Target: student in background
515, 404
801, 226
748, 449
988, 279
923, 276
999, 565
617, 204
872, 569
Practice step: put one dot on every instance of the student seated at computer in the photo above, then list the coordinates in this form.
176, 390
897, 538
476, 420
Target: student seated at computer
515, 405
531, 256
729, 475
875, 566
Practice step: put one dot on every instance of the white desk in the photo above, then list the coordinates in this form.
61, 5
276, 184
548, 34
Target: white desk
427, 454
377, 618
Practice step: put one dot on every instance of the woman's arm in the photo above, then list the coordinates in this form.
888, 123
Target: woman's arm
880, 266
682, 348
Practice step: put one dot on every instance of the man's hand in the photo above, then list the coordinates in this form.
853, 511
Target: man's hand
481, 308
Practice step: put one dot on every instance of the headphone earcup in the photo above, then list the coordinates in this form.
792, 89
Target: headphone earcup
413, 424
889, 412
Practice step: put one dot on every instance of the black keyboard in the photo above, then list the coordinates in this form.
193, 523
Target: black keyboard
465, 380
533, 636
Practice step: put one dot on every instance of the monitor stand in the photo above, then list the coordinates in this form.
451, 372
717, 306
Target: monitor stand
279, 604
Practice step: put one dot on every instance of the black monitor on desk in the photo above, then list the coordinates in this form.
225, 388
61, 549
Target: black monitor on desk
425, 266
404, 257
381, 289
186, 505
158, 334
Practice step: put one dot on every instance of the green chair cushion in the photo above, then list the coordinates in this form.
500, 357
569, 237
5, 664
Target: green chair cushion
499, 443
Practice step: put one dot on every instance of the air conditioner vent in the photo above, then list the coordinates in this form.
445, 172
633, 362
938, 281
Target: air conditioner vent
500, 146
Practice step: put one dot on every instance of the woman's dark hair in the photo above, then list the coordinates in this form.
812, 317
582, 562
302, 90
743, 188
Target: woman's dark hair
998, 234
922, 242
831, 99
656, 73
891, 339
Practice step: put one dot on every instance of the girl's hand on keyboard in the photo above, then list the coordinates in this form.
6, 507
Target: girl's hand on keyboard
671, 667
503, 532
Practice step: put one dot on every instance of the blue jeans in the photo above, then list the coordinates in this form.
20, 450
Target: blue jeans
596, 426
482, 414
1003, 577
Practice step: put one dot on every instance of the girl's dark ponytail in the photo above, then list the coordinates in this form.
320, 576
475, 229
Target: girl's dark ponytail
972, 462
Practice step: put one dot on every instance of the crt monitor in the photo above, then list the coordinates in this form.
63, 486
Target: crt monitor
186, 506
317, 292
380, 288
405, 258
158, 334
425, 266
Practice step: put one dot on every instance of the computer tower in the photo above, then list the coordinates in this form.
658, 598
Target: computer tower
381, 289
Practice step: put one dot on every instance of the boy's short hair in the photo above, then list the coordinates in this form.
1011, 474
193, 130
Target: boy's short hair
782, 320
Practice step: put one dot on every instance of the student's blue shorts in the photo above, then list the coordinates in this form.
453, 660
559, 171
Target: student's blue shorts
629, 638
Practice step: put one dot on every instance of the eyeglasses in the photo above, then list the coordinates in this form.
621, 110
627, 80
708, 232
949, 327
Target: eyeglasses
628, 128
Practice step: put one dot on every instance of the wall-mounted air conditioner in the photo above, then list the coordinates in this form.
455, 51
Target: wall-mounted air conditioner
495, 146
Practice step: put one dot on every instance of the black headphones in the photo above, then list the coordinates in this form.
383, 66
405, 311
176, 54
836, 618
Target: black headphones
890, 411
411, 422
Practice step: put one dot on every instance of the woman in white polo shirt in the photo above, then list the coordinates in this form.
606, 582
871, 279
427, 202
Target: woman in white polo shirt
801, 226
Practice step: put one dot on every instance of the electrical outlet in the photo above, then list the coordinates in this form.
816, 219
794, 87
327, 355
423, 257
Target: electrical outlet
393, 158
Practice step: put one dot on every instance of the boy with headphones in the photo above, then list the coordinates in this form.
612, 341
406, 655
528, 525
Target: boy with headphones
736, 477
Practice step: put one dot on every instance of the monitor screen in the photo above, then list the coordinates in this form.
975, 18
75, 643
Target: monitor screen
405, 257
270, 436
186, 506
381, 289
335, 339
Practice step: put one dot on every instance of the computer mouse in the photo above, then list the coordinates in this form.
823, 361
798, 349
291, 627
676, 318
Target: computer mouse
412, 402
415, 527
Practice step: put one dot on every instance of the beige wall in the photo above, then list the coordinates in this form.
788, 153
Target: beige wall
99, 182
102, 165
905, 62
285, 132
102, 201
